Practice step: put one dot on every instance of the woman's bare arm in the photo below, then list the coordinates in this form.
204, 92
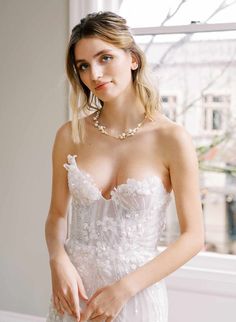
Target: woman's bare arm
66, 282
183, 167
56, 223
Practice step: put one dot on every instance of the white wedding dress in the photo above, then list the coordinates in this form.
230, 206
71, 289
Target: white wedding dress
111, 237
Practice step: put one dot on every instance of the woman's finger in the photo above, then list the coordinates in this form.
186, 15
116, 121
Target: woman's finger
59, 305
99, 318
96, 314
65, 305
109, 319
74, 304
56, 303
81, 289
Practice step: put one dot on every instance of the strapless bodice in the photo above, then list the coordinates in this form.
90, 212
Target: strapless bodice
109, 238
125, 227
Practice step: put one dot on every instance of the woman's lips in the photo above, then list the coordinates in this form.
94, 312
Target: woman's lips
101, 86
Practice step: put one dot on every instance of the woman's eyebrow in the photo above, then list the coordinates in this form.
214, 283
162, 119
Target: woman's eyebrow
97, 54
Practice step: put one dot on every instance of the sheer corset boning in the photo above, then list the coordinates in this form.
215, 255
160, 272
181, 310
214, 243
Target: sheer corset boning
110, 238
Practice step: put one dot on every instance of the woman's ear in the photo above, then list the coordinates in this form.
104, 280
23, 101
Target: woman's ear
134, 61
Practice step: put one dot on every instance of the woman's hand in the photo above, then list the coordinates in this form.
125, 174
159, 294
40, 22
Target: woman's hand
106, 303
66, 287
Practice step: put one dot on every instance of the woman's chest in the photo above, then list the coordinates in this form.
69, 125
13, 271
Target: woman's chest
112, 165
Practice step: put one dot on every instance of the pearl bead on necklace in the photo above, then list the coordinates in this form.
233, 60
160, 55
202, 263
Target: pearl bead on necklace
123, 135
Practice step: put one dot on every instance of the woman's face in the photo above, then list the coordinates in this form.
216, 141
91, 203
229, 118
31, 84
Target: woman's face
104, 68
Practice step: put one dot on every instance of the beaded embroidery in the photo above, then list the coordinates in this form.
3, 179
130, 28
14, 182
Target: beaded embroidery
111, 237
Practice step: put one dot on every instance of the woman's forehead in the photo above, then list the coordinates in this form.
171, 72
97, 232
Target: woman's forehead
88, 47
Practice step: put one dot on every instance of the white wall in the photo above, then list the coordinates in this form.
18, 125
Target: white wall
198, 307
33, 104
204, 289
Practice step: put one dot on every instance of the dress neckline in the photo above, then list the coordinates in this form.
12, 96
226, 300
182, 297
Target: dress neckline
71, 159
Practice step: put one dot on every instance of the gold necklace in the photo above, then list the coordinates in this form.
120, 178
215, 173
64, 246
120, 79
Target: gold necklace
123, 135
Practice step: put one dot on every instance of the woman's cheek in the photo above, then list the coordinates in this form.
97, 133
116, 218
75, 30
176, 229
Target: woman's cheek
85, 81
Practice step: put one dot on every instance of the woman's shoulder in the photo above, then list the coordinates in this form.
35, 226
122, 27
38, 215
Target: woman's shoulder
63, 137
172, 136
64, 130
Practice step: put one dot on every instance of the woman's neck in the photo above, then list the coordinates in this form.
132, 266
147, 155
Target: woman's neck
122, 113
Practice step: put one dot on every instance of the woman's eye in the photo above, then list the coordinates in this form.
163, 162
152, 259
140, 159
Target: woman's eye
83, 67
106, 58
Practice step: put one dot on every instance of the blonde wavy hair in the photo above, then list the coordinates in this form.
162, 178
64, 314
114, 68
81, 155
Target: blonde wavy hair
110, 28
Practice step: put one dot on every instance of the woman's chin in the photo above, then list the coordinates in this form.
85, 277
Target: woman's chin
108, 98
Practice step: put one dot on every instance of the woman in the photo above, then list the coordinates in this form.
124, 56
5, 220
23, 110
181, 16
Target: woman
129, 158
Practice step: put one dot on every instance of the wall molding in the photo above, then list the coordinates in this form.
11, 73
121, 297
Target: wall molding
6, 316
206, 273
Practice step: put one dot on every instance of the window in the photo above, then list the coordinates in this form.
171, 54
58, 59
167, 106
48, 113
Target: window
169, 106
176, 12
197, 61
230, 201
216, 109
216, 120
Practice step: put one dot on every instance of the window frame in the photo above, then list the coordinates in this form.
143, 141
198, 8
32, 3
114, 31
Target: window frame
184, 29
173, 107
215, 268
206, 273
208, 110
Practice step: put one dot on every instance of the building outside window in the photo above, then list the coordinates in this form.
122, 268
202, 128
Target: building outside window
216, 111
194, 66
169, 106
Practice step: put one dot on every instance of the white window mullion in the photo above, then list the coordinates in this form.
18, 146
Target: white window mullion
184, 29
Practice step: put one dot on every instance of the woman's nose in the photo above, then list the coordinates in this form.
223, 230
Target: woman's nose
96, 72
